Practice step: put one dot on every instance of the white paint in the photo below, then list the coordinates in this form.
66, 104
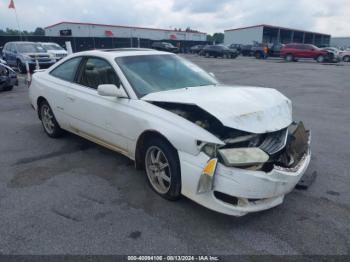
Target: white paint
251, 109
117, 123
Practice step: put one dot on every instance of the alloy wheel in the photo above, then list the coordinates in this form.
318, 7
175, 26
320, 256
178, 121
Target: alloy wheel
158, 169
47, 119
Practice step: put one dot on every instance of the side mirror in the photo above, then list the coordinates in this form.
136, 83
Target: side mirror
111, 90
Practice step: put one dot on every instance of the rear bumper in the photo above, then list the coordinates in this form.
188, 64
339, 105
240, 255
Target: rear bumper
42, 65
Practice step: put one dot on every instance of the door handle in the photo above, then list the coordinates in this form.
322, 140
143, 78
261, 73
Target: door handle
70, 98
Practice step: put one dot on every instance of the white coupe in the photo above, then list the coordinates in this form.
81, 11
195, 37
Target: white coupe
232, 149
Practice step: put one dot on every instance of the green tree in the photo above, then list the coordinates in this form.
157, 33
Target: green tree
39, 31
9, 31
218, 38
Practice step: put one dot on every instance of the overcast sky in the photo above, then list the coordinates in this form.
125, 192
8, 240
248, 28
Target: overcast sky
325, 16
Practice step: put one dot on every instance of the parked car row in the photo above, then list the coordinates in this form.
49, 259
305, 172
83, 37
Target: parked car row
289, 52
17, 54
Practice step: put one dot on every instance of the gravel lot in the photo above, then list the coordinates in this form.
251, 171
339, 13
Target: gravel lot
69, 196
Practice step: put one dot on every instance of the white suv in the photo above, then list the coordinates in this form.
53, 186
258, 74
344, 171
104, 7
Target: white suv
56, 50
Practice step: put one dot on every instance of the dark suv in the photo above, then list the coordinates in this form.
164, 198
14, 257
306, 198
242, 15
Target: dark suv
164, 46
274, 50
291, 52
196, 49
219, 51
18, 53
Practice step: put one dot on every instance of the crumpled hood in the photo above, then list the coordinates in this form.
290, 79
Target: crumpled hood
250, 109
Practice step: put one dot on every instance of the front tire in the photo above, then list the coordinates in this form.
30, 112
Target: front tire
320, 59
162, 167
258, 55
48, 120
346, 58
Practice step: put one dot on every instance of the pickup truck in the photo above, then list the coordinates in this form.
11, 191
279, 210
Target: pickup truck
258, 50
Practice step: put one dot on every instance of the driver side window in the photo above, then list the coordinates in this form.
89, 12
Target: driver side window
97, 71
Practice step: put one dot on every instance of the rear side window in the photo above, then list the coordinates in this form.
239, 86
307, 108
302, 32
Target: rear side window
67, 70
97, 71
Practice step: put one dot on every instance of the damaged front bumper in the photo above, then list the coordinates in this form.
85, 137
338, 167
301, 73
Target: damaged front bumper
238, 191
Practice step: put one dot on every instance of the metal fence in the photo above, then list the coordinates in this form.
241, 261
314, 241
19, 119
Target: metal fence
89, 43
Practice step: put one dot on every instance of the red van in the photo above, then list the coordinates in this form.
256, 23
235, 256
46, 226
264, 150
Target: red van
291, 52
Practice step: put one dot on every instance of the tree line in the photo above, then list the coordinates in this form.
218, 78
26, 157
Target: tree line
218, 38
9, 31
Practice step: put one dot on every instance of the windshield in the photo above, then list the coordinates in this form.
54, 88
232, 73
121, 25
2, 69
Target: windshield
30, 48
154, 73
168, 45
52, 47
223, 47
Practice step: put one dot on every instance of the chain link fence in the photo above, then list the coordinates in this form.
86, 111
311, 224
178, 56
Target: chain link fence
90, 43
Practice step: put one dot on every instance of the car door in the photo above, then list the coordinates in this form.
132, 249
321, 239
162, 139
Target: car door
7, 54
307, 52
60, 80
95, 117
13, 54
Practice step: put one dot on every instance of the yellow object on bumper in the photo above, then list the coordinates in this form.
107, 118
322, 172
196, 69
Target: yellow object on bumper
205, 183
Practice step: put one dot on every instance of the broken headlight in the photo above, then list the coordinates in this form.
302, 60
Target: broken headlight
209, 149
3, 71
243, 157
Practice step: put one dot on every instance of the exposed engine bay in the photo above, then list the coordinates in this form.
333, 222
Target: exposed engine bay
284, 148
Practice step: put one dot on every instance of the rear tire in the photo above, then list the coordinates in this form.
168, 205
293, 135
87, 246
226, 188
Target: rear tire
8, 88
48, 120
289, 58
162, 167
346, 58
258, 55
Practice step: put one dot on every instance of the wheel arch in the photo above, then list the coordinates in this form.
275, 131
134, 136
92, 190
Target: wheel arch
140, 145
39, 100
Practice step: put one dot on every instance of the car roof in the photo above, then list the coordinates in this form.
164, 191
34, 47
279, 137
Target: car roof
48, 43
121, 52
21, 42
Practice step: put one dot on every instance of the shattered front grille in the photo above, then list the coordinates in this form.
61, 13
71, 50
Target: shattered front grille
274, 142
